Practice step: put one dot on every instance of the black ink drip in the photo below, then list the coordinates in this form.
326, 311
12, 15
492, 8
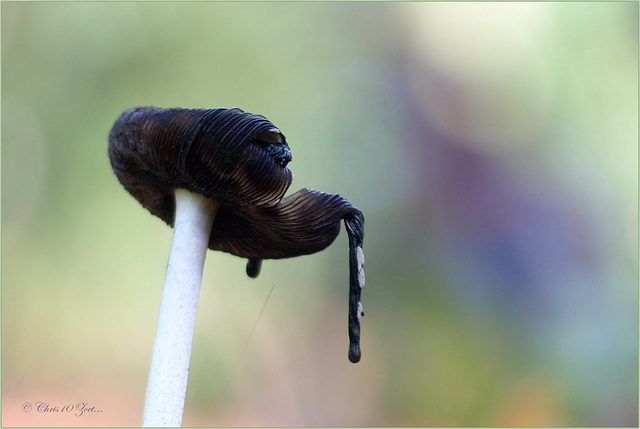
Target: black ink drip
355, 230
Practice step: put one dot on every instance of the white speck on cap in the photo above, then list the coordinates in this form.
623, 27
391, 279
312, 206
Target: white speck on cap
360, 256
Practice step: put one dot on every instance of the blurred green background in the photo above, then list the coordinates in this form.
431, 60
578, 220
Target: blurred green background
493, 148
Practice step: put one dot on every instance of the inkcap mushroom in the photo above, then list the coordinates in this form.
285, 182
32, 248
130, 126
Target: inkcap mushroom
219, 176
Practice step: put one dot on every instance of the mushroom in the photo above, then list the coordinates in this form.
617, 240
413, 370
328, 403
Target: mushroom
219, 176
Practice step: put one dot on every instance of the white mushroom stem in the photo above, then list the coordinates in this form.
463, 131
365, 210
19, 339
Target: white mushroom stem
169, 371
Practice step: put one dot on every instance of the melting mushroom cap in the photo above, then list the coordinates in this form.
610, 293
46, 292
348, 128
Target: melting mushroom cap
239, 159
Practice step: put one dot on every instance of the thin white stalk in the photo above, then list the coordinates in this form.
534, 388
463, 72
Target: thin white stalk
169, 371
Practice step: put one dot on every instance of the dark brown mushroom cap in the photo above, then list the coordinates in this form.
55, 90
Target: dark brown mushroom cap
239, 159
234, 157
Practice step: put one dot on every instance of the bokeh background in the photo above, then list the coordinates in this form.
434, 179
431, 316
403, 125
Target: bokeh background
493, 148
